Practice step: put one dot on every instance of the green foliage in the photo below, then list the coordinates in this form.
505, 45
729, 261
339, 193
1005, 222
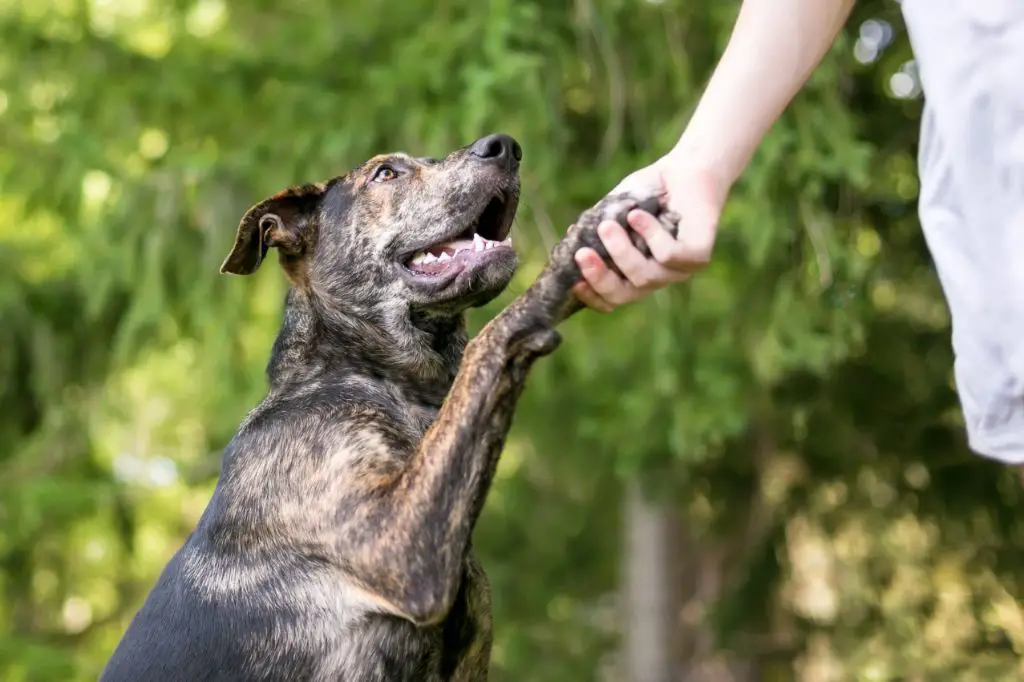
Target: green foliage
794, 399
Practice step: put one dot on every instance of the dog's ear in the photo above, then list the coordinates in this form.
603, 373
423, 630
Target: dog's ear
281, 221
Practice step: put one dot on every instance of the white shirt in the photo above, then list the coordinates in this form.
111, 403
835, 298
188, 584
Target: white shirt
970, 57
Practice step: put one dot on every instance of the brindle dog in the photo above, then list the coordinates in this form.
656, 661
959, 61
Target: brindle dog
337, 543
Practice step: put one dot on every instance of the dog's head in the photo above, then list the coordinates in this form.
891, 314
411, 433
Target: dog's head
396, 231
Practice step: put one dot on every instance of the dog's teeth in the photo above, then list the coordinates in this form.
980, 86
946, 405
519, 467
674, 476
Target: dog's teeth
488, 244
444, 256
429, 258
419, 258
478, 242
508, 241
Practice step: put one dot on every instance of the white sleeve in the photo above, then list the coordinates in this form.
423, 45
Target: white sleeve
970, 56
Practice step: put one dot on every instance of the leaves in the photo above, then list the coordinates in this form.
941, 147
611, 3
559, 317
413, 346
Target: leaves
134, 135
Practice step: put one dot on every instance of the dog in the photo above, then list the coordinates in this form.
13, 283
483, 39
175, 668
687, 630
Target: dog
337, 543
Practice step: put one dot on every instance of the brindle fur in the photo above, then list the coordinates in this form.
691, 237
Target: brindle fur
337, 543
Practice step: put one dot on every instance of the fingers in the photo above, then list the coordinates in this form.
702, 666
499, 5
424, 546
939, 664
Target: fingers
625, 256
586, 294
643, 273
601, 289
692, 194
684, 254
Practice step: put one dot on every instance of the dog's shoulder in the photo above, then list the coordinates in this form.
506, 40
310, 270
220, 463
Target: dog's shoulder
302, 455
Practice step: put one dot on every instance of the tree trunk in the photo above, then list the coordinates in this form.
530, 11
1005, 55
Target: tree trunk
651, 589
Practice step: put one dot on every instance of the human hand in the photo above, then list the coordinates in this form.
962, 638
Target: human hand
696, 195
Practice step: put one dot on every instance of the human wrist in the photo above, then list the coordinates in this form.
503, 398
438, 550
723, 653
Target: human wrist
720, 153
702, 163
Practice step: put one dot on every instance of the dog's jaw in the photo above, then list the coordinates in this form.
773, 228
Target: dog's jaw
473, 263
489, 227
436, 259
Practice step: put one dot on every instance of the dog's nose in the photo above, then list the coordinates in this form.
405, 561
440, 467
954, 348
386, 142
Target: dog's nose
499, 149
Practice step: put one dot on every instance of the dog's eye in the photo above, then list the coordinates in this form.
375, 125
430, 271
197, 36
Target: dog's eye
385, 174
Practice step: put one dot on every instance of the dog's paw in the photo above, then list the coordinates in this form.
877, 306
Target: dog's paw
616, 207
550, 299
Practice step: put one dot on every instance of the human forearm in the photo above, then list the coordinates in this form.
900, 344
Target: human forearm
774, 48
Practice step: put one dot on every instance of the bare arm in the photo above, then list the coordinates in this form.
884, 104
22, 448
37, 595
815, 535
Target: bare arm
774, 48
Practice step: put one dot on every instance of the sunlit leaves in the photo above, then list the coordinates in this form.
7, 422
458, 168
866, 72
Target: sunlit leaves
134, 134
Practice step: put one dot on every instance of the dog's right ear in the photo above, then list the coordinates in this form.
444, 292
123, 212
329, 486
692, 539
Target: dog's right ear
281, 221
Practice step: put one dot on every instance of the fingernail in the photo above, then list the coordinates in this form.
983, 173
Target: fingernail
636, 220
606, 229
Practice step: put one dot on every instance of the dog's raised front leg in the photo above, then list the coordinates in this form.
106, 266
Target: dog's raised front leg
411, 543
422, 519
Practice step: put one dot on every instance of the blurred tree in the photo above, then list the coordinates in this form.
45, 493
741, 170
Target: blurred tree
786, 420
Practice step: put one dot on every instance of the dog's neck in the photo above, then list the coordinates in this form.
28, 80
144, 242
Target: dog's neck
418, 353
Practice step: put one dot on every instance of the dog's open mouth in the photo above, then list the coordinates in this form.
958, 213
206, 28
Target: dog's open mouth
488, 233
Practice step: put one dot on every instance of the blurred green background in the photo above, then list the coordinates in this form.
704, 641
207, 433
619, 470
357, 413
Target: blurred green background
759, 476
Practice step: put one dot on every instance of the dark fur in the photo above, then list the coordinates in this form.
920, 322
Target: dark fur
337, 543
